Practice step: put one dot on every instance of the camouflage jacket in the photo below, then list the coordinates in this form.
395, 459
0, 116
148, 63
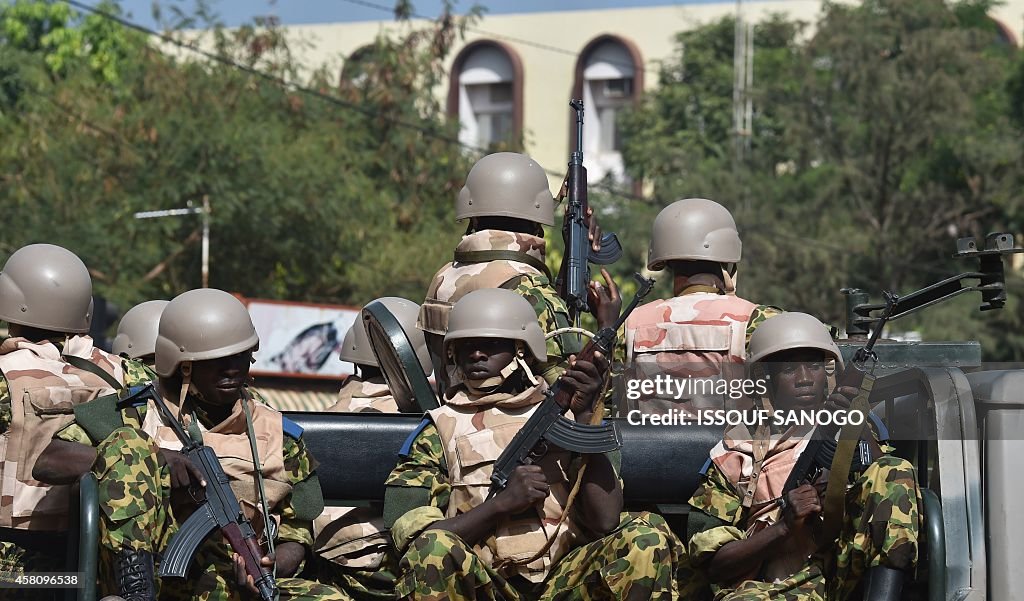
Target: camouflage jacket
528, 277
290, 480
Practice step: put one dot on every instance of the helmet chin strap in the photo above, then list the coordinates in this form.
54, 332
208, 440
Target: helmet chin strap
488, 385
729, 276
186, 383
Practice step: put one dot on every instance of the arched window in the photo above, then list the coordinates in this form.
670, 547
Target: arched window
486, 94
609, 76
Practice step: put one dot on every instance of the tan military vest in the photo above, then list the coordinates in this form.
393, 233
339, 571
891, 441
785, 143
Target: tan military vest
737, 457
44, 390
698, 335
458, 279
358, 395
474, 431
229, 439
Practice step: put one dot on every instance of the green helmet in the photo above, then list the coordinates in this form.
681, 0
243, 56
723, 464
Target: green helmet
137, 331
496, 313
694, 229
506, 184
202, 324
356, 346
787, 331
46, 286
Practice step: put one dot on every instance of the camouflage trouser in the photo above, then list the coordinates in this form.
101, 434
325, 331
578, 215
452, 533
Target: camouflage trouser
361, 585
881, 528
17, 559
637, 561
135, 511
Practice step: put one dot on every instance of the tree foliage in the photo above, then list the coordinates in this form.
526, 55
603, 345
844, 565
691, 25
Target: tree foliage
332, 194
880, 135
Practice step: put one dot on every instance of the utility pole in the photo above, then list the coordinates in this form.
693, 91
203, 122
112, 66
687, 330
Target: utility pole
190, 210
743, 80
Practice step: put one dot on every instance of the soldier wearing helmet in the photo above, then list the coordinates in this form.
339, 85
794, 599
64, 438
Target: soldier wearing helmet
48, 364
506, 201
366, 391
701, 331
515, 544
747, 533
203, 352
352, 544
137, 332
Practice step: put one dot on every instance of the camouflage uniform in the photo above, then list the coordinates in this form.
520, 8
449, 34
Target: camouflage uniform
701, 333
638, 560
365, 396
526, 278
42, 368
352, 545
880, 526
128, 460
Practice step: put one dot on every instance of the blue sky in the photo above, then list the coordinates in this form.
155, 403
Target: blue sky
235, 12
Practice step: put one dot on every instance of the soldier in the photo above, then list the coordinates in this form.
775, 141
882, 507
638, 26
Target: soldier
352, 544
367, 391
47, 366
507, 202
147, 487
765, 548
704, 328
529, 540
136, 334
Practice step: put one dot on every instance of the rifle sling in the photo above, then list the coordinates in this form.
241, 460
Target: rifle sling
89, 366
484, 256
834, 503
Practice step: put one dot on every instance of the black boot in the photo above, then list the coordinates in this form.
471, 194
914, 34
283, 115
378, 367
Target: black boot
134, 573
884, 584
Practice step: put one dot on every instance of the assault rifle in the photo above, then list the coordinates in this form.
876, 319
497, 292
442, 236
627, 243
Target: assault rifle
578, 249
547, 424
821, 448
219, 509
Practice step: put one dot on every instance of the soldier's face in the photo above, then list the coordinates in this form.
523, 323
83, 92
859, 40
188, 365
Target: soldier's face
482, 358
220, 381
798, 379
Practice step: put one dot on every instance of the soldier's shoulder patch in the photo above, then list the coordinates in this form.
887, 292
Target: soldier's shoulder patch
291, 428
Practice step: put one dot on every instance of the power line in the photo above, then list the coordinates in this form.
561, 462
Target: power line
429, 132
501, 36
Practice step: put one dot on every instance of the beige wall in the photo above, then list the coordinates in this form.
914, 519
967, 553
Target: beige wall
548, 74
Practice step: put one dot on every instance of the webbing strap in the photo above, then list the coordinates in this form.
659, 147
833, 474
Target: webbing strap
834, 505
89, 366
484, 256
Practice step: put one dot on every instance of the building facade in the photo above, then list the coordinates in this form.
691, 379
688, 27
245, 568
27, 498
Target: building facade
512, 76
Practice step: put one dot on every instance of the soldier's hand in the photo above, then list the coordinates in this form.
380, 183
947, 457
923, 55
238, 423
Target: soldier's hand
801, 504
604, 300
593, 229
526, 487
587, 380
243, 579
842, 397
184, 473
